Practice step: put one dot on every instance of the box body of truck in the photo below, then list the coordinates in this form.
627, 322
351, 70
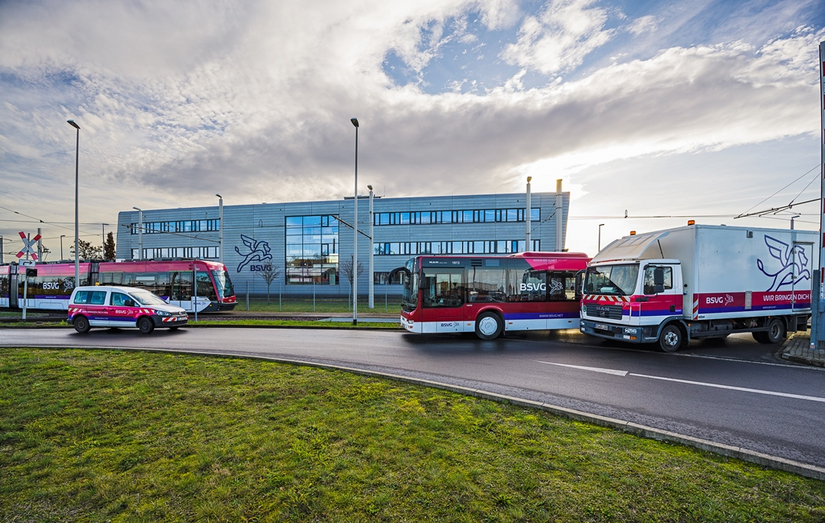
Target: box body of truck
700, 281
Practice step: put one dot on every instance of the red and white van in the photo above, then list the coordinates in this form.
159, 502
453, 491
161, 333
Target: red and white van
115, 307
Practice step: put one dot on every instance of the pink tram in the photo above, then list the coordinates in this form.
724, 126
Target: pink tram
174, 281
491, 295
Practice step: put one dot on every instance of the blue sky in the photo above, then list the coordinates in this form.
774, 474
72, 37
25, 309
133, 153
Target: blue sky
694, 108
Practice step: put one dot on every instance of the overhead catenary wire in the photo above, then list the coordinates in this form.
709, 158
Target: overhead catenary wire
747, 213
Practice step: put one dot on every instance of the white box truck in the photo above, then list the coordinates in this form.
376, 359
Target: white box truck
700, 281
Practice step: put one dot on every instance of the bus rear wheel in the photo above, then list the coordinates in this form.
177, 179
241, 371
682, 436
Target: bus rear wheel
489, 326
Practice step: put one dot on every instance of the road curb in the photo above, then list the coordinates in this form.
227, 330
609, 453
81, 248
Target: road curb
758, 458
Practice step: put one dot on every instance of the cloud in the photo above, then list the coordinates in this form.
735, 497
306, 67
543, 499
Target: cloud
559, 38
253, 100
644, 24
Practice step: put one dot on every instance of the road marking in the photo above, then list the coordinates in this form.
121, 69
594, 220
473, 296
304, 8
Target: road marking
623, 373
591, 369
729, 387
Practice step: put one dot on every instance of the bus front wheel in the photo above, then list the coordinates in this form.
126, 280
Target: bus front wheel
489, 326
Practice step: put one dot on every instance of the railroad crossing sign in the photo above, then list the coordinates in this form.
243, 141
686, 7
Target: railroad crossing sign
28, 250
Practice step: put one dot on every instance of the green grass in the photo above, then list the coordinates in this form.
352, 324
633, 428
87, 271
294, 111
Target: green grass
134, 436
207, 321
325, 304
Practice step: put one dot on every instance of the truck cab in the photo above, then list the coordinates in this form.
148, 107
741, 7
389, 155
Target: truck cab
631, 299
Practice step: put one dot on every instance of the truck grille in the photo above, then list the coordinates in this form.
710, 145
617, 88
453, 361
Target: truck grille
611, 312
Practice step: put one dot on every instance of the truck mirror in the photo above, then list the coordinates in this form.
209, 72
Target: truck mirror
659, 277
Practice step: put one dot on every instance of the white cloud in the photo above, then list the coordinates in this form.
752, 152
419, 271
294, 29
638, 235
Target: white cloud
253, 100
559, 38
644, 24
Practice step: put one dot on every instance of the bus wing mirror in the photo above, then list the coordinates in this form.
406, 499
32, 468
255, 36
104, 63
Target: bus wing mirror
579, 284
395, 273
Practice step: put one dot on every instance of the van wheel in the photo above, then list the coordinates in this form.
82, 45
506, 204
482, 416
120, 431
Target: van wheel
776, 331
146, 325
81, 324
671, 339
489, 326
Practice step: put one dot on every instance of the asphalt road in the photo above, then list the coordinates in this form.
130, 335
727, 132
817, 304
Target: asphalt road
734, 392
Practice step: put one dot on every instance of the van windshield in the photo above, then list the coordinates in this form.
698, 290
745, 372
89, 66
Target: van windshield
145, 297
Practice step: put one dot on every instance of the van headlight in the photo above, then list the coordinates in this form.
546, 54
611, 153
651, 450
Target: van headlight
163, 313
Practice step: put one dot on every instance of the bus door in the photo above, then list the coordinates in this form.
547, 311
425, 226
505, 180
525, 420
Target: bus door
442, 297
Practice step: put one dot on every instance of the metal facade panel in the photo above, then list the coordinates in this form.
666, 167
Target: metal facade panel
266, 223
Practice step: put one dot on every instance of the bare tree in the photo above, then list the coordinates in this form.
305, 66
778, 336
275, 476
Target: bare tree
346, 268
269, 274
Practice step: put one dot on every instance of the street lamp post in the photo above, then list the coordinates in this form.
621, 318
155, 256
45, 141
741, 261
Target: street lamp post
372, 253
355, 233
220, 226
1, 250
794, 217
527, 235
140, 232
61, 246
76, 225
600, 237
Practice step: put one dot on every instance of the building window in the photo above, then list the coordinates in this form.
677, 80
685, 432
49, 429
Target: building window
178, 226
311, 250
463, 216
458, 247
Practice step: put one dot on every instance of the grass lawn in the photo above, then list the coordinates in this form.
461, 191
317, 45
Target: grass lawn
137, 436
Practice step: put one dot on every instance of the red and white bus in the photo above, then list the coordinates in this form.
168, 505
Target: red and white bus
173, 281
490, 295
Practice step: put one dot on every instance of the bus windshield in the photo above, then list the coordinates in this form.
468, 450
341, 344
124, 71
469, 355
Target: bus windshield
611, 280
223, 283
409, 300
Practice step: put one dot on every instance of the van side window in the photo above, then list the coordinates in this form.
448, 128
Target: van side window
97, 298
119, 300
82, 297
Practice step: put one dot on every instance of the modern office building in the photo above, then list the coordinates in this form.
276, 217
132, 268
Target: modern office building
310, 244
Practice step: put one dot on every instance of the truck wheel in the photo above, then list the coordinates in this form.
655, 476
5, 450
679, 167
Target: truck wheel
146, 325
776, 331
81, 324
761, 337
671, 339
489, 326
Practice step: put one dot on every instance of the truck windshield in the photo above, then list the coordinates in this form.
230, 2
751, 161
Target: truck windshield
409, 300
611, 280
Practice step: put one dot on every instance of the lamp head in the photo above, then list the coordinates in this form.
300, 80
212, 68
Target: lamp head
354, 121
73, 124
369, 187
219, 196
529, 179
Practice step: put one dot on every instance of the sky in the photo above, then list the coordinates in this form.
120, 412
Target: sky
651, 112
